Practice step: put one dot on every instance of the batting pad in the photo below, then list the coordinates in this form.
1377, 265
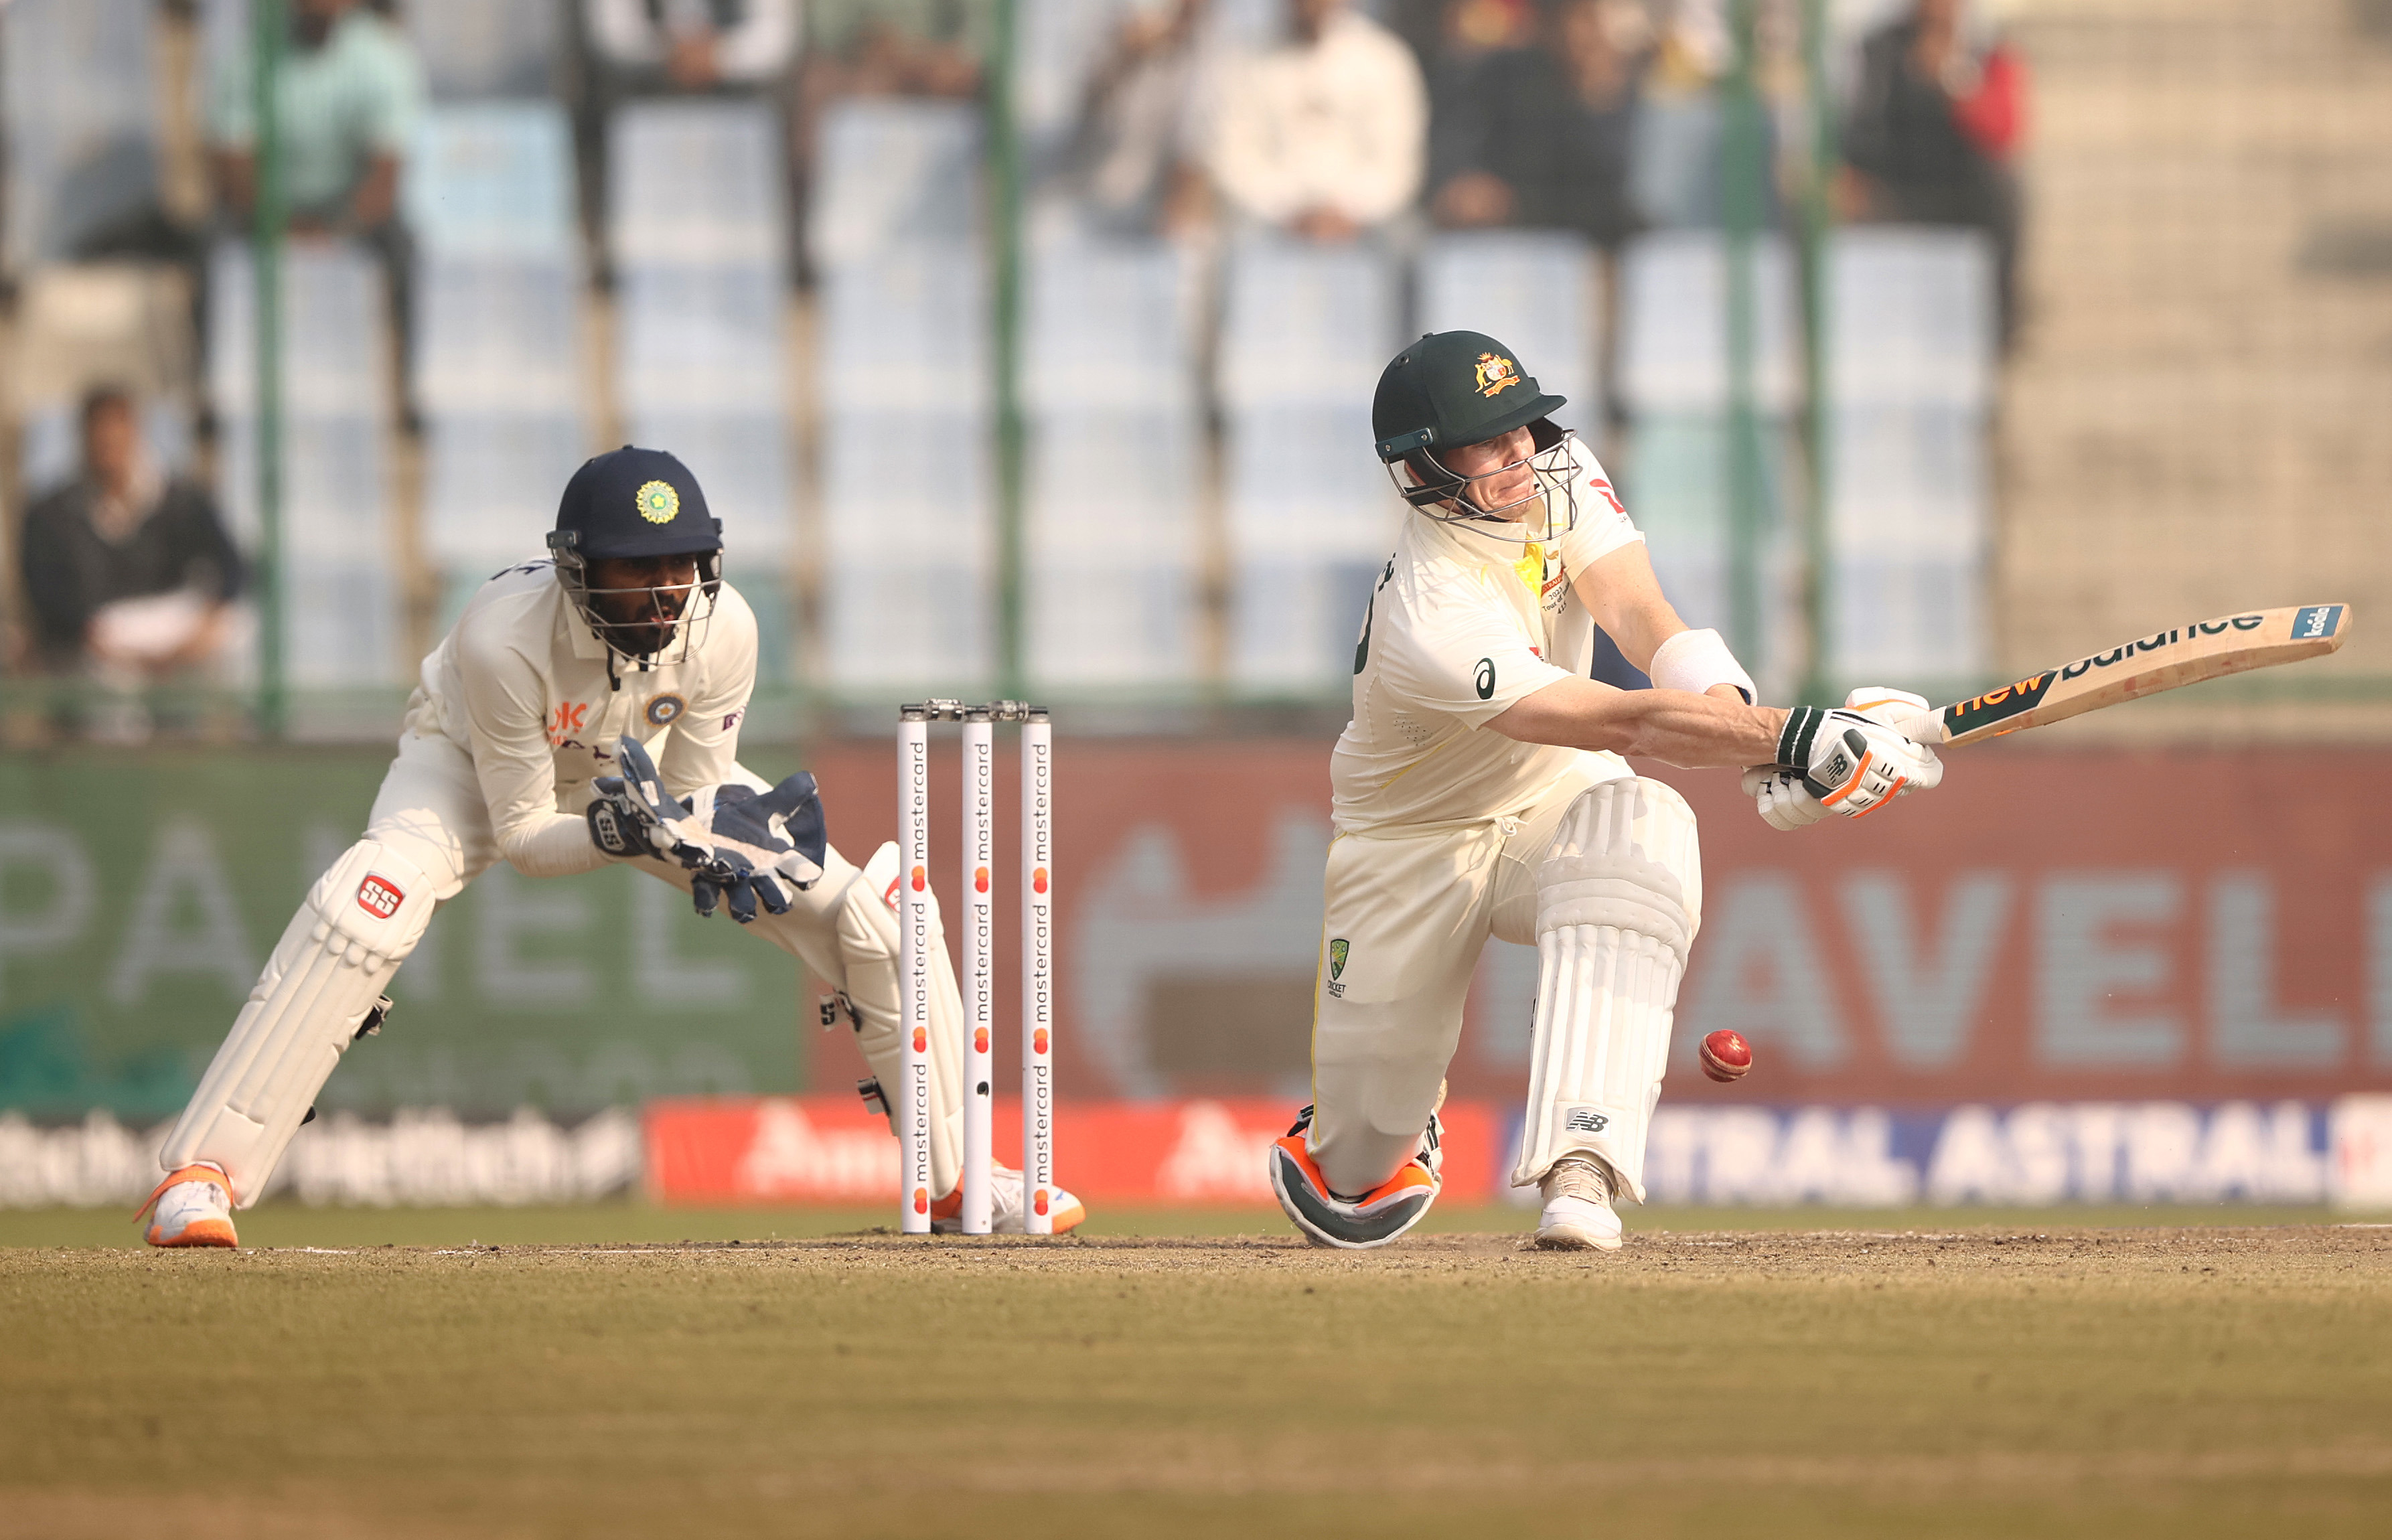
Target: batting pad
359, 924
865, 915
1619, 899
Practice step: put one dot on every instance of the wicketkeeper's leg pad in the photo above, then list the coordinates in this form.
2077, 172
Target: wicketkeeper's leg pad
1618, 900
856, 908
326, 975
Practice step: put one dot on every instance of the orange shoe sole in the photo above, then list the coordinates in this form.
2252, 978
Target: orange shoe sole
200, 1231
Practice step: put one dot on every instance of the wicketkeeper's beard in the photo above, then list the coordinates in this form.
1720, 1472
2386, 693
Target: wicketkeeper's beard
641, 621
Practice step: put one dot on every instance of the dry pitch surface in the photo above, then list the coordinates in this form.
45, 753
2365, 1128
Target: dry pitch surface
1970, 1382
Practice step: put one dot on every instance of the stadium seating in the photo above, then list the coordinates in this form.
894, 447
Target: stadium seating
492, 177
341, 590
1910, 367
1305, 331
475, 48
698, 230
893, 173
77, 93
498, 354
902, 380
1676, 487
1674, 333
1115, 470
1672, 371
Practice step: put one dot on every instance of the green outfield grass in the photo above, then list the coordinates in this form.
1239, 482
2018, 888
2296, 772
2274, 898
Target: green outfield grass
1967, 1379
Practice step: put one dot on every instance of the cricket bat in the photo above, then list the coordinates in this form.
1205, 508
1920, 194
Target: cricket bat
2186, 654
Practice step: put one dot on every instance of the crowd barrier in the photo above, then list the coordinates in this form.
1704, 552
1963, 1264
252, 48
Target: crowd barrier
424, 1158
1208, 1152
1203, 1151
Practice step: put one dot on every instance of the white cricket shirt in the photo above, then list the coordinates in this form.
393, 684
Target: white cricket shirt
1462, 626
523, 685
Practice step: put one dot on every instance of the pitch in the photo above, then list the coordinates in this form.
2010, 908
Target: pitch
1964, 1381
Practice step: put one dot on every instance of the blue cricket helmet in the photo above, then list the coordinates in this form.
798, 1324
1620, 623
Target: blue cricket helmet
634, 502
637, 504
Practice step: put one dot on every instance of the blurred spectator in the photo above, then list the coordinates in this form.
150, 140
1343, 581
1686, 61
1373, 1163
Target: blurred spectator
1939, 112
1454, 39
1324, 134
1543, 139
350, 96
127, 575
1135, 144
694, 44
896, 47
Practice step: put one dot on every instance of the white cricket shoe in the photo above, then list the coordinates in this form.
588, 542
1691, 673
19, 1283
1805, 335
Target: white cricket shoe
1577, 1214
193, 1207
1005, 1187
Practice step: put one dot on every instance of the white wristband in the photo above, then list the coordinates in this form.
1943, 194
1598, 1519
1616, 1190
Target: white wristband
1694, 661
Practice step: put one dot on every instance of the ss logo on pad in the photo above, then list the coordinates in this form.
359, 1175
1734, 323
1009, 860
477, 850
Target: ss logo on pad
378, 898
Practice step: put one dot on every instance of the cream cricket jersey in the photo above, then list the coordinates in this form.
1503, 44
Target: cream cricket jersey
524, 687
1461, 627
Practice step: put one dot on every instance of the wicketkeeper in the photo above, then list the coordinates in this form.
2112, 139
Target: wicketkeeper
585, 709
1479, 790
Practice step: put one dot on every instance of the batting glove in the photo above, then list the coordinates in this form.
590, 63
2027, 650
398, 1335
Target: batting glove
1785, 803
1852, 763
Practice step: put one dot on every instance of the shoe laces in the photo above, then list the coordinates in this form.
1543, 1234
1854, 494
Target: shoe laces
1578, 1178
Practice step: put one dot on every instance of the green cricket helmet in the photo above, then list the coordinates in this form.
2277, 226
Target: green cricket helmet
1454, 388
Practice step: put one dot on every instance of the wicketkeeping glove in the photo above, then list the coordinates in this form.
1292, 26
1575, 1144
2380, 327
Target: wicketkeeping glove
760, 845
738, 845
628, 822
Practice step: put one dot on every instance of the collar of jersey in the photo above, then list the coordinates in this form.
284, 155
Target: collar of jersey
1497, 552
584, 641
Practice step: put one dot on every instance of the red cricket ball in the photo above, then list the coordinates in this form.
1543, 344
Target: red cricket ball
1726, 1056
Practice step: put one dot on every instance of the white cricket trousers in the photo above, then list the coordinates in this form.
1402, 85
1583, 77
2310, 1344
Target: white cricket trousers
430, 812
431, 807
1404, 917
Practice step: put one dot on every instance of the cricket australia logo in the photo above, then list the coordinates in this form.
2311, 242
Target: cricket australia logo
378, 897
1585, 1120
1338, 950
1496, 374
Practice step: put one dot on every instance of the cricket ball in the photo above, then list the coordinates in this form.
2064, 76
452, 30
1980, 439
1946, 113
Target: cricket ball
1726, 1056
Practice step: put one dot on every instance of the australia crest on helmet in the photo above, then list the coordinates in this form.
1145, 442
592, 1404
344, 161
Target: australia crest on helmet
1496, 374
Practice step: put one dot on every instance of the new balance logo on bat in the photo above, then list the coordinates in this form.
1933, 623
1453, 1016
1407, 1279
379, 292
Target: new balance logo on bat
2316, 622
2163, 639
1995, 705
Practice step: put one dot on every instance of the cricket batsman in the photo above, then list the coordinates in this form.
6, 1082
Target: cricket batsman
585, 710
1480, 790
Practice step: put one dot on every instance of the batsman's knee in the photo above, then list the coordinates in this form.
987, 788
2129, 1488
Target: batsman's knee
1626, 854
